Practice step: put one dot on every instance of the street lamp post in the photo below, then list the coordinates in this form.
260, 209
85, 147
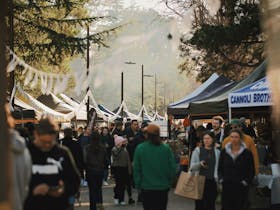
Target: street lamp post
88, 45
142, 95
122, 91
155, 92
142, 86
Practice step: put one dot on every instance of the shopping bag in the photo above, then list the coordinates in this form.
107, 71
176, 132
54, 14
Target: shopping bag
190, 186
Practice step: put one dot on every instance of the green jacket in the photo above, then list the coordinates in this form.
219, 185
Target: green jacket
153, 166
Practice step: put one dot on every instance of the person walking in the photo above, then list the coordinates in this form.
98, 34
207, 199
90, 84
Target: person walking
139, 139
84, 140
108, 142
205, 161
95, 160
21, 164
77, 153
236, 172
248, 142
154, 169
55, 176
121, 168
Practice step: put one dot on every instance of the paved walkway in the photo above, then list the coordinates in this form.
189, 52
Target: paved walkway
175, 202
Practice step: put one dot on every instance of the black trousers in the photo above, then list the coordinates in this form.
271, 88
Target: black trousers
95, 189
129, 187
155, 199
209, 196
121, 178
234, 196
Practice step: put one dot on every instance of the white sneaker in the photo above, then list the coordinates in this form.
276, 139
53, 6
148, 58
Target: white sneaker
105, 183
85, 184
122, 203
116, 201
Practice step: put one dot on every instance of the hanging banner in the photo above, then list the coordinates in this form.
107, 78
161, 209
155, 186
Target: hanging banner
253, 95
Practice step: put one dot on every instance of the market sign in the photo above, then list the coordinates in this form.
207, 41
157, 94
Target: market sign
253, 95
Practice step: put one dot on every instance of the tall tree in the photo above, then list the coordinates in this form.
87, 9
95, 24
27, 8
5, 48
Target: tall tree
231, 42
49, 34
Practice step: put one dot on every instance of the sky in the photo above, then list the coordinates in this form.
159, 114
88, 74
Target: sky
148, 4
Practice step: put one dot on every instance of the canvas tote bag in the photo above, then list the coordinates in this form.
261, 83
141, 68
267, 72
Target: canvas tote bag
190, 186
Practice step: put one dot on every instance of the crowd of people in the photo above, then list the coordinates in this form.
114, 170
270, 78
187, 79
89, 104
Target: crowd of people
227, 154
52, 169
55, 166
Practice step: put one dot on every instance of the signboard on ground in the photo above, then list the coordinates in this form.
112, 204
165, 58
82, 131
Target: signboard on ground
163, 124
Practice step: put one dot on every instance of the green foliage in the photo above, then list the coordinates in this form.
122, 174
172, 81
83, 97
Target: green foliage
231, 43
50, 32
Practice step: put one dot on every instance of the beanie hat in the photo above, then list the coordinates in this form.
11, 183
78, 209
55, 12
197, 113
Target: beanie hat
153, 129
144, 124
235, 122
118, 140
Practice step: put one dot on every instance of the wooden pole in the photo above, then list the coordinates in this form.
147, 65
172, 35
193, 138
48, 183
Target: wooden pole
142, 101
155, 92
88, 45
11, 44
122, 89
5, 151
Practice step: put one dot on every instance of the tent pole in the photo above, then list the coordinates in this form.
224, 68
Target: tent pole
229, 114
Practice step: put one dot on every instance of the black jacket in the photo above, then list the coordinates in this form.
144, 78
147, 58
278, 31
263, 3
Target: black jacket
76, 151
50, 167
236, 171
95, 159
130, 135
138, 139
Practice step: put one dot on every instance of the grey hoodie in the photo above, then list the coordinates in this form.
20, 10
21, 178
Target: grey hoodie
21, 169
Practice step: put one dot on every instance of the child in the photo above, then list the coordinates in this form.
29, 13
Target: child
122, 168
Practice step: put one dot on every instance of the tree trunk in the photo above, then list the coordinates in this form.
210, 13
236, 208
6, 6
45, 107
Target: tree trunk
5, 151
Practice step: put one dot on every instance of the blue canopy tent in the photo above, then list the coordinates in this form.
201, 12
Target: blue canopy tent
214, 84
217, 104
256, 95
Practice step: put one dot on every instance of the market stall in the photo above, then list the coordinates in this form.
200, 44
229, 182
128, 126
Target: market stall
217, 103
215, 83
255, 97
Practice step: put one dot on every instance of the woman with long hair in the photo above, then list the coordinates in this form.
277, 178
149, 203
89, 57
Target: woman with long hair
205, 161
154, 170
236, 172
95, 161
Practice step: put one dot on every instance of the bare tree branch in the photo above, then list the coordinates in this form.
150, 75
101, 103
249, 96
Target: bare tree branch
172, 9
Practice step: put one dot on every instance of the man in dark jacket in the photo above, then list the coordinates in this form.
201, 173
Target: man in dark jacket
118, 129
77, 153
54, 173
74, 147
130, 134
138, 139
